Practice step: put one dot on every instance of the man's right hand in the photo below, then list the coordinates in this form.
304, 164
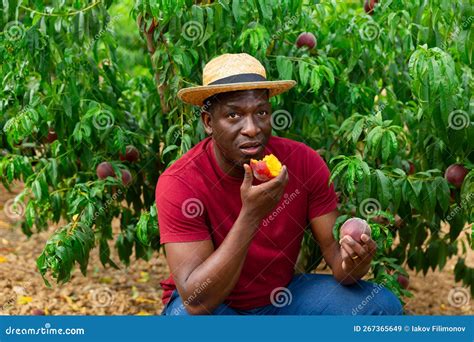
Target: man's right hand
259, 200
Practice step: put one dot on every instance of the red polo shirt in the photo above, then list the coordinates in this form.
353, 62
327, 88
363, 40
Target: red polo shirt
196, 201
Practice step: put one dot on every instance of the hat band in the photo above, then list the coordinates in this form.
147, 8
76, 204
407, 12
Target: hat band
239, 79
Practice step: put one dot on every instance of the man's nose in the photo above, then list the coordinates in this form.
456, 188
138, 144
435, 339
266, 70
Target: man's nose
250, 127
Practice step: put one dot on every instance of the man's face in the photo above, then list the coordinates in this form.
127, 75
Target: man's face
240, 124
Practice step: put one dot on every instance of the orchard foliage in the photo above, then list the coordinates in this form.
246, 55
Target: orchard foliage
385, 98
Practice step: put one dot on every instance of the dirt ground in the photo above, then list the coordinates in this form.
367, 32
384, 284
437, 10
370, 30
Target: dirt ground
136, 290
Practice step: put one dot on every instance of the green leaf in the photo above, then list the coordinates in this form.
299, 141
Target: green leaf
409, 195
236, 10
315, 80
357, 130
373, 139
337, 169
209, 26
168, 149
10, 172
442, 193
304, 72
364, 188
104, 251
397, 194
284, 67
170, 137
328, 74
30, 214
36, 187
416, 185
142, 229
53, 169
442, 255
265, 7
393, 143
384, 187
386, 146
350, 178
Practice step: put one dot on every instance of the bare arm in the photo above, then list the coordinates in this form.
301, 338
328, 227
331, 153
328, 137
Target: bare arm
205, 277
339, 256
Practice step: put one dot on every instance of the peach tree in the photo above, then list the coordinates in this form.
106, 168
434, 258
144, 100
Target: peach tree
90, 117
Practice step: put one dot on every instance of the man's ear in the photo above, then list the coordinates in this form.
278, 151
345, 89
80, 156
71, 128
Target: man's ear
206, 118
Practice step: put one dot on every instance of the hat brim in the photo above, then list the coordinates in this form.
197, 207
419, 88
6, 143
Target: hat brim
197, 95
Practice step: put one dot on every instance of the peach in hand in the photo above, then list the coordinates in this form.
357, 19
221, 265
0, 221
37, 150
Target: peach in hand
267, 168
355, 227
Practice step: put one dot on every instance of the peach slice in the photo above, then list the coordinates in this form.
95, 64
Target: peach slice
267, 168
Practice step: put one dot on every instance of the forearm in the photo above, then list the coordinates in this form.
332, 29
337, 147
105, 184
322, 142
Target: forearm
343, 277
213, 280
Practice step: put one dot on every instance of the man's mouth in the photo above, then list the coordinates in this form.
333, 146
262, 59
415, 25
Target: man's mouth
251, 148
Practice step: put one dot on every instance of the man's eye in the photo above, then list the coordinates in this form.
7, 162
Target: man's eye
232, 115
263, 113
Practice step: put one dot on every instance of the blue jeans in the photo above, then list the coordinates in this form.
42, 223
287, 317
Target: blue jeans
313, 294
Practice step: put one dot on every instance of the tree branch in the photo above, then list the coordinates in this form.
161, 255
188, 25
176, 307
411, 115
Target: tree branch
159, 88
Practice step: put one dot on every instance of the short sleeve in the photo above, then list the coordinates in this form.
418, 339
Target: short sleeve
322, 198
181, 213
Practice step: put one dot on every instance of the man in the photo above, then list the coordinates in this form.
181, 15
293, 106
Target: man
231, 242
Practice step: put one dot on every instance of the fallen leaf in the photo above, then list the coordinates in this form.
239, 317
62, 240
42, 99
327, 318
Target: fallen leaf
22, 300
143, 313
134, 292
144, 277
145, 300
105, 280
68, 299
3, 259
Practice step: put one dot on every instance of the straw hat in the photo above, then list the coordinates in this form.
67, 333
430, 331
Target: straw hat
231, 72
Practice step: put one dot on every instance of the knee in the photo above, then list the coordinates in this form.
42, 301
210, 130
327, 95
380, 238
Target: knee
378, 301
389, 303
